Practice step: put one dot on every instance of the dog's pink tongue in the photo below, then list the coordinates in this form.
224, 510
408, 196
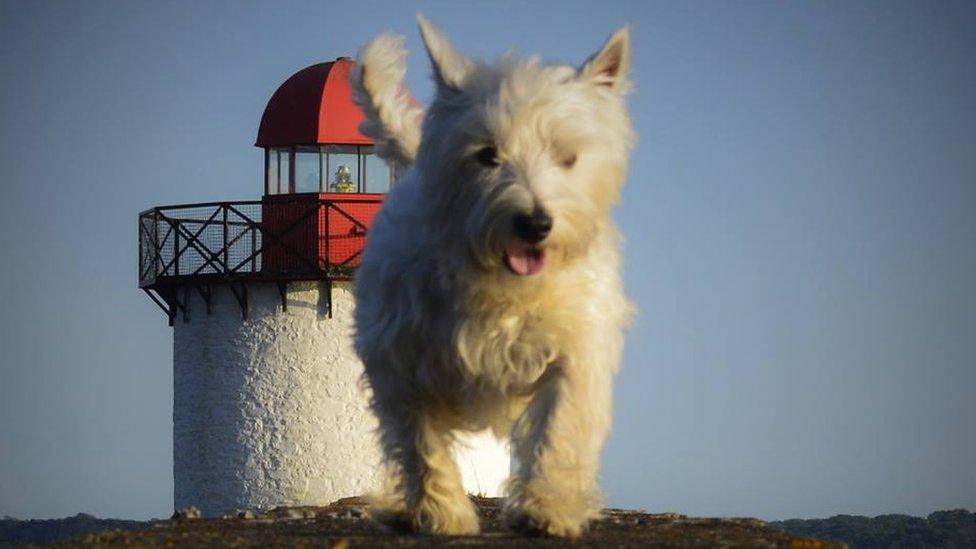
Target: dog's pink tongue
524, 261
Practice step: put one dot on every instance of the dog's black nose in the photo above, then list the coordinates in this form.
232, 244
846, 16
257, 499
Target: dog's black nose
533, 228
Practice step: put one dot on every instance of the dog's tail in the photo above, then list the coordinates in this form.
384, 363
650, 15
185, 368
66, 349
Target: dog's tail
393, 118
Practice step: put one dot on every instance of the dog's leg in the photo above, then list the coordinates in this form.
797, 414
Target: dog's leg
432, 497
557, 444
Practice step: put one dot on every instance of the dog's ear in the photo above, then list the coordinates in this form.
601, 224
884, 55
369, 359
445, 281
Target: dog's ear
610, 66
392, 117
450, 67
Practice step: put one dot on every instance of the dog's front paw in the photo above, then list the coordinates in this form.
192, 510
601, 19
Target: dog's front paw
537, 521
446, 516
430, 518
391, 513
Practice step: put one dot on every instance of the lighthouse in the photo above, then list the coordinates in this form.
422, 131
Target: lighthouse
268, 404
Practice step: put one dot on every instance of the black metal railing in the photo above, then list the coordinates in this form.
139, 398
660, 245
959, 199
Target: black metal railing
281, 238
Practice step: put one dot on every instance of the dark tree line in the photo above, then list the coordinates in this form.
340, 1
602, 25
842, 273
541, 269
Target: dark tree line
955, 528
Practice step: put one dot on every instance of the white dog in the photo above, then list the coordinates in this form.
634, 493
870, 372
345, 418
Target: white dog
489, 293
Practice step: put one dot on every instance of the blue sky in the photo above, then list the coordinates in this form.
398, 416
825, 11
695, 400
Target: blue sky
800, 217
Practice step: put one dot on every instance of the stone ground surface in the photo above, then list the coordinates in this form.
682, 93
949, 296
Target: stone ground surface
344, 525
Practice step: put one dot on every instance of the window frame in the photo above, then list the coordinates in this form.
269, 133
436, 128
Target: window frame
274, 154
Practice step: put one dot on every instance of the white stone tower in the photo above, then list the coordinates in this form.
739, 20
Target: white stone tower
268, 408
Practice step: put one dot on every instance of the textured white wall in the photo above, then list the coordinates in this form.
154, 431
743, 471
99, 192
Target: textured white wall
268, 411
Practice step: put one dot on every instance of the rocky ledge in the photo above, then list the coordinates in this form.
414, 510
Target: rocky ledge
345, 524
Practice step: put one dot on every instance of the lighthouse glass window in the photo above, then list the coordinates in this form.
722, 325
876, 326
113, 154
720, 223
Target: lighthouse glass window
377, 175
278, 176
307, 170
342, 165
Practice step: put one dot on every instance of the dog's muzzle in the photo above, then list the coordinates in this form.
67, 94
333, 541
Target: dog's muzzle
527, 257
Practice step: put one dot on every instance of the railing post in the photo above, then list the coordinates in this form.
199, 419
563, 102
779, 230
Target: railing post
157, 246
254, 246
176, 247
226, 254
328, 244
142, 256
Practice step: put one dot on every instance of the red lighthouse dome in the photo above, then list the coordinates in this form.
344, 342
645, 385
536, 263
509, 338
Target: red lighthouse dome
314, 106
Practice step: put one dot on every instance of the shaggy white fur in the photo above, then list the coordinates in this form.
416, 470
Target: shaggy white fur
489, 293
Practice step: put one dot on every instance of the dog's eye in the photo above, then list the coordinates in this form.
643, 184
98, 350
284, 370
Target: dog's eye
488, 156
568, 161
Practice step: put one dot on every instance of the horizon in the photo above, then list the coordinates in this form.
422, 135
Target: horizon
800, 224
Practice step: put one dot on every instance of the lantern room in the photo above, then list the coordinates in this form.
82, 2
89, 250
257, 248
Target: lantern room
314, 155
311, 140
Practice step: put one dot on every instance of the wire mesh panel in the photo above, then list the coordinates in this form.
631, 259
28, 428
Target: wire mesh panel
282, 237
148, 261
343, 235
244, 238
197, 235
292, 228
